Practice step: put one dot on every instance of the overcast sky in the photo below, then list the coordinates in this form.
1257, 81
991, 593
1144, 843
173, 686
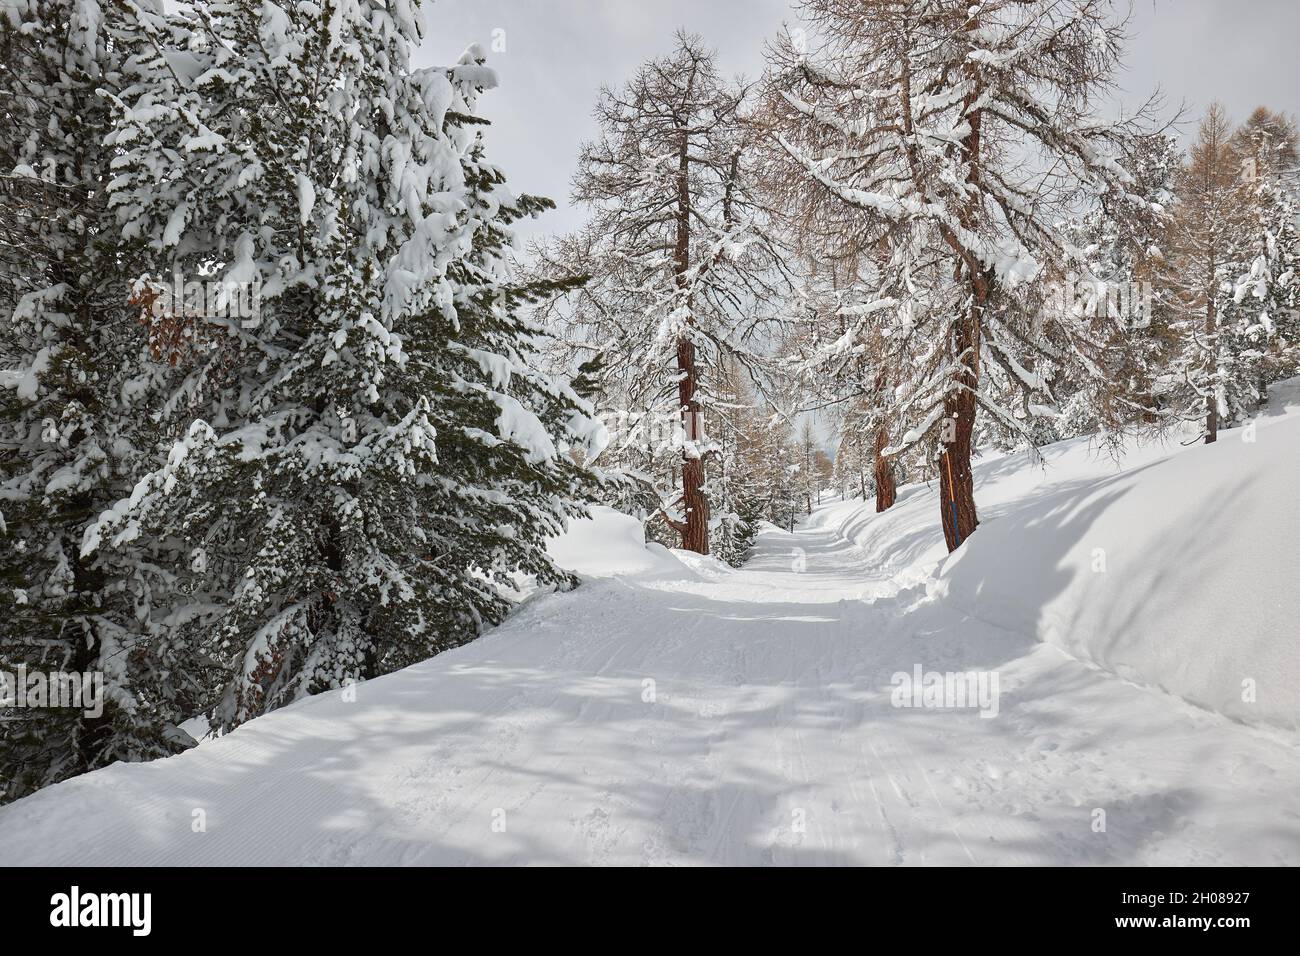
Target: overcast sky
557, 53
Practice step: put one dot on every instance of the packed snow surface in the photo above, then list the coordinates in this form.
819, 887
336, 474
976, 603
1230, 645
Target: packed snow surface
674, 711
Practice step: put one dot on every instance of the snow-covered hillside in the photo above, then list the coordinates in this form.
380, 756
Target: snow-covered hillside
673, 711
1177, 566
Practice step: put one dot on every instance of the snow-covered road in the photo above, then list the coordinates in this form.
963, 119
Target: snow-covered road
688, 715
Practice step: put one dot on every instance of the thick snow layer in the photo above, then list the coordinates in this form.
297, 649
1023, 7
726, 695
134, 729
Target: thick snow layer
609, 543
673, 711
1175, 566
1181, 574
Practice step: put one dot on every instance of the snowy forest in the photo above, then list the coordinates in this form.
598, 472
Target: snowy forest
299, 390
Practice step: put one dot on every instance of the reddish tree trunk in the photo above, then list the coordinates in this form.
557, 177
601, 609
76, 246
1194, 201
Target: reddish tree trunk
956, 482
886, 489
1211, 405
694, 527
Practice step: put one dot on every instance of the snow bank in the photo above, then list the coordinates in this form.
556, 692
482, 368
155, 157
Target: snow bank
1184, 574
1176, 567
610, 543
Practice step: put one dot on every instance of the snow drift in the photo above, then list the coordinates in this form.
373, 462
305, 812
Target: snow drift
1176, 567
609, 543
1184, 574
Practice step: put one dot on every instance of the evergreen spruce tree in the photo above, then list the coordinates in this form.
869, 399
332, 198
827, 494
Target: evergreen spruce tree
355, 466
735, 510
853, 455
75, 381
754, 476
1118, 291
1262, 301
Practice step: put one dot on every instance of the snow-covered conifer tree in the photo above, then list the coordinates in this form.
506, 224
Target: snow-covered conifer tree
1119, 291
1264, 296
840, 354
358, 463
1235, 241
74, 386
731, 488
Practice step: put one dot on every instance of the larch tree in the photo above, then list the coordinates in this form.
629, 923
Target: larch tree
840, 355
814, 465
953, 138
1235, 251
853, 461
682, 269
1270, 142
